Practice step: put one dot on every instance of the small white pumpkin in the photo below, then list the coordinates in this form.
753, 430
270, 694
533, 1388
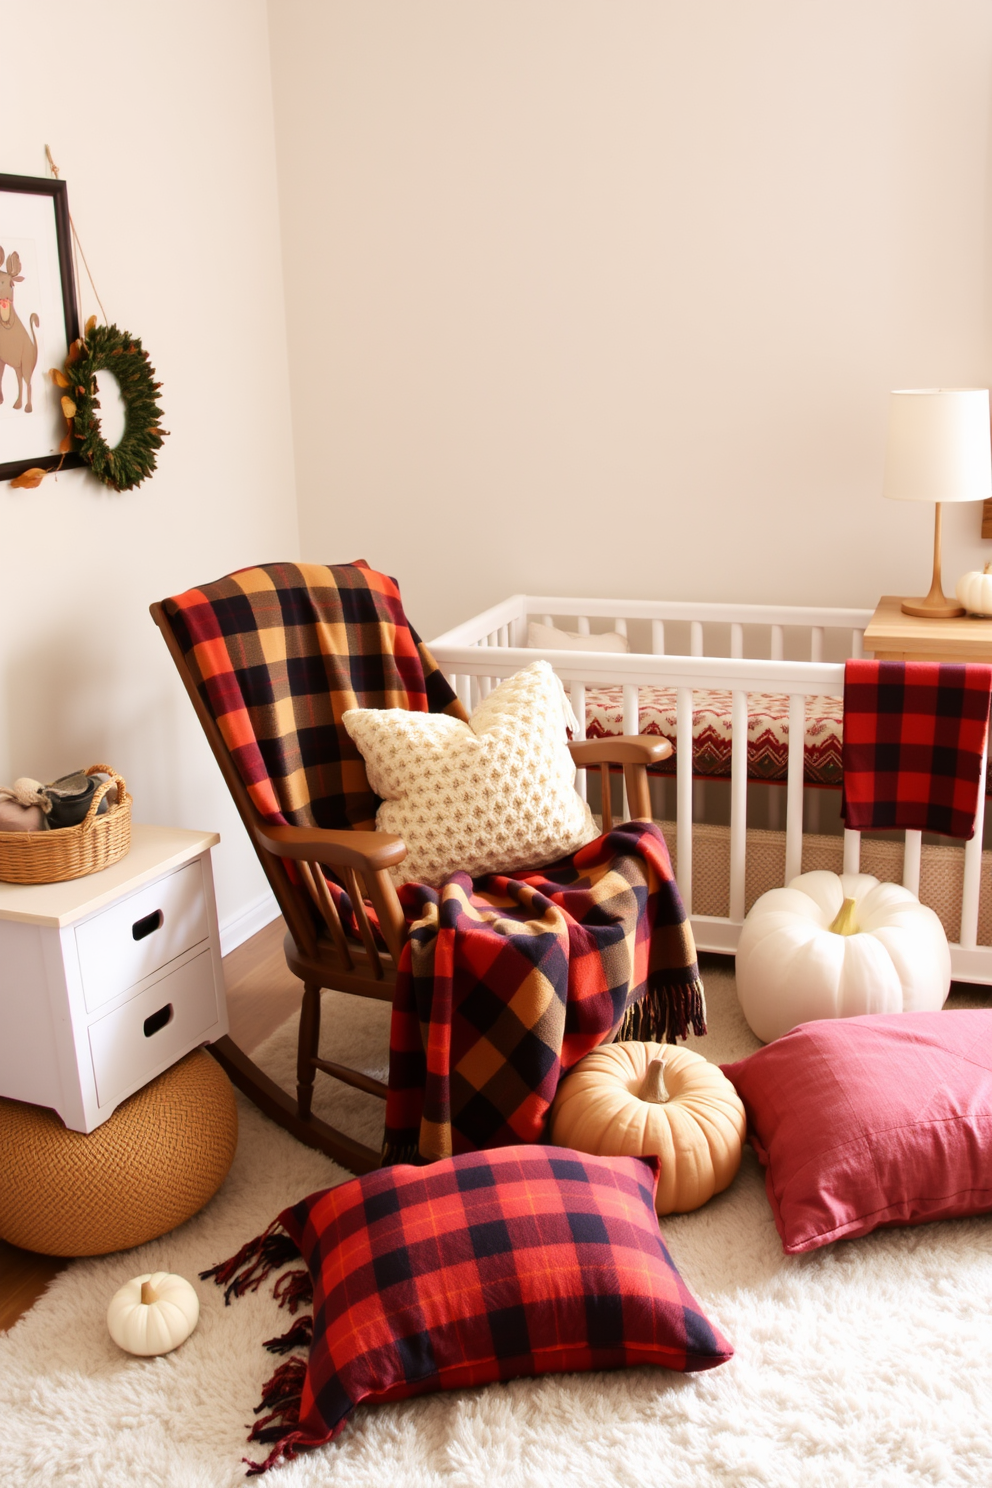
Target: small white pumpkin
974, 591
835, 946
153, 1314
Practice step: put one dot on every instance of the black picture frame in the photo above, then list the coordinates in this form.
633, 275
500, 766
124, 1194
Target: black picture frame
65, 290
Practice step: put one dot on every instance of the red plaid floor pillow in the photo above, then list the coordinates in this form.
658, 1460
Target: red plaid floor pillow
491, 1265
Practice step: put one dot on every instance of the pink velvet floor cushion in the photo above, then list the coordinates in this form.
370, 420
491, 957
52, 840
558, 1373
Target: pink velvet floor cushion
879, 1120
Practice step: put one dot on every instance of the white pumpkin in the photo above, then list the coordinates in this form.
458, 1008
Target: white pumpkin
974, 591
153, 1314
834, 946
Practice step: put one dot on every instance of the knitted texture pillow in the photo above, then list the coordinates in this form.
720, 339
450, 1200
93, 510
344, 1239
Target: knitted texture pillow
489, 1266
492, 795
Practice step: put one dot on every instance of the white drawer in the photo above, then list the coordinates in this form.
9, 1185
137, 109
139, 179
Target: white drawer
154, 1029
135, 937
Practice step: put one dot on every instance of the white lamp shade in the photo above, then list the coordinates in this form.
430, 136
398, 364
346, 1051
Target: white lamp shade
939, 447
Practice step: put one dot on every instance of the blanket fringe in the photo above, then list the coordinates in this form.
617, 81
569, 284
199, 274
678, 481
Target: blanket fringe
403, 1152
300, 1335
664, 1014
245, 1271
281, 1396
294, 1290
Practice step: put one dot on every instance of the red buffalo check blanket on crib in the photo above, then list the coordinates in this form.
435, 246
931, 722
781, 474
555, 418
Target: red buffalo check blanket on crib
914, 735
504, 984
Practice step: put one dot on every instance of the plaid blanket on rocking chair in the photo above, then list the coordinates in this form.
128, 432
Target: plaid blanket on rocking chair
503, 984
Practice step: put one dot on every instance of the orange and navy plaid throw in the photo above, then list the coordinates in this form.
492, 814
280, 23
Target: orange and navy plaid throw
914, 736
278, 654
506, 983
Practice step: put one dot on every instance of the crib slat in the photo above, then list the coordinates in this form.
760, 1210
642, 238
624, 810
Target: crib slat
577, 698
658, 637
794, 802
738, 804
778, 643
631, 725
463, 686
737, 640
695, 638
620, 626
504, 635
683, 790
911, 862
857, 644
816, 643
631, 709
852, 851
973, 868
547, 620
582, 624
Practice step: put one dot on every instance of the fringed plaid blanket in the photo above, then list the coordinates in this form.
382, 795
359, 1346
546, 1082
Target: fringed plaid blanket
504, 986
914, 734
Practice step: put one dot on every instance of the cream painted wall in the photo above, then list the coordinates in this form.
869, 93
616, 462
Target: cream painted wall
161, 120
607, 297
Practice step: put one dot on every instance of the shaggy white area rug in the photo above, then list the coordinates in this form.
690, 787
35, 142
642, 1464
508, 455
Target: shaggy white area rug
866, 1363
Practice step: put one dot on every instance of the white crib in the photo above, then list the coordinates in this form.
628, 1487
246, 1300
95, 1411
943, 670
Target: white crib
481, 651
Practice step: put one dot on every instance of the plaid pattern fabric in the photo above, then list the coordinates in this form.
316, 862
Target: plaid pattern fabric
914, 734
278, 654
516, 979
506, 984
490, 1266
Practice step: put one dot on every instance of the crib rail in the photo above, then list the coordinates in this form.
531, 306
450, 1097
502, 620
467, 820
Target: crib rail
483, 650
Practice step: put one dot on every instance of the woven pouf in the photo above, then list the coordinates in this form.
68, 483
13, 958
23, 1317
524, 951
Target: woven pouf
156, 1161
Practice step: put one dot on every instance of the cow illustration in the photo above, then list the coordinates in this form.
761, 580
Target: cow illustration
17, 348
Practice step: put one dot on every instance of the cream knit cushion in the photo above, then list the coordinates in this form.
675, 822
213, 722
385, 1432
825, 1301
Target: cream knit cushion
492, 795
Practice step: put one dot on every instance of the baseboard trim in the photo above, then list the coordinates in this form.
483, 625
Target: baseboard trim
241, 927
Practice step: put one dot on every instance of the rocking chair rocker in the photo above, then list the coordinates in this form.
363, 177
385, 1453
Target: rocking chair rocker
247, 660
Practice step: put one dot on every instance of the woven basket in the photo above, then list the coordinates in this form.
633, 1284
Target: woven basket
71, 852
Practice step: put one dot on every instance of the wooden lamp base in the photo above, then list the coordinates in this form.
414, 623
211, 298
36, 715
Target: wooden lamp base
936, 606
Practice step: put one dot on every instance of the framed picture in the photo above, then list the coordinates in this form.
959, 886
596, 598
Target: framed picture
38, 321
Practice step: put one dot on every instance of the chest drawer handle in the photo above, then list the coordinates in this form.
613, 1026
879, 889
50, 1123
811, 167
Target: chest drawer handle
158, 1020
147, 925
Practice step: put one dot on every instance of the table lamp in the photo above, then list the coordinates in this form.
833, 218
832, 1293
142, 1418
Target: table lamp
939, 450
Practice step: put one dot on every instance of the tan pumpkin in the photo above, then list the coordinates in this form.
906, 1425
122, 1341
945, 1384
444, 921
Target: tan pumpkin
638, 1100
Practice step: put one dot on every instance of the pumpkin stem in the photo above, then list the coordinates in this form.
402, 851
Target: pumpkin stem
147, 1294
654, 1089
987, 568
844, 924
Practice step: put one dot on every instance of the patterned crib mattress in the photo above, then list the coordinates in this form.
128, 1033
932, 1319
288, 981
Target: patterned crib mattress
767, 730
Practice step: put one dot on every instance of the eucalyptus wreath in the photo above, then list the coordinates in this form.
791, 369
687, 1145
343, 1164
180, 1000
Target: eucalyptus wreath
105, 348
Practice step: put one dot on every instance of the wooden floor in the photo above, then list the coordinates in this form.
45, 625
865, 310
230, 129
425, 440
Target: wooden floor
261, 995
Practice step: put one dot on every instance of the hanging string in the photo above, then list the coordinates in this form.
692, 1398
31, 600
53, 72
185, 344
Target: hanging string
78, 245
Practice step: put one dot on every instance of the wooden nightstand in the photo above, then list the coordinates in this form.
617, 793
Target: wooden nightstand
893, 636
107, 980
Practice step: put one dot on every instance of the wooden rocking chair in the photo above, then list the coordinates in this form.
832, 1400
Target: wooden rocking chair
319, 952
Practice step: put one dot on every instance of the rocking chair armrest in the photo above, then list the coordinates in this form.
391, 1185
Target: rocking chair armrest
368, 852
623, 749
